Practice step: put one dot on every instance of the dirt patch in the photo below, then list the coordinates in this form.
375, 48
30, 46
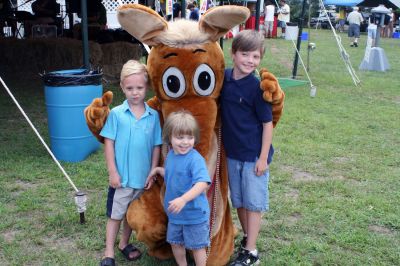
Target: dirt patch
380, 229
20, 186
293, 218
396, 100
293, 194
284, 242
284, 60
65, 244
305, 176
340, 159
9, 236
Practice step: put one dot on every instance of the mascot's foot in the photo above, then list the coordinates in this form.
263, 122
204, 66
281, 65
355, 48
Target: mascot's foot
128, 250
107, 262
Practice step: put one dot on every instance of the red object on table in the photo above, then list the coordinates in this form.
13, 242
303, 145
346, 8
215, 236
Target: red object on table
251, 24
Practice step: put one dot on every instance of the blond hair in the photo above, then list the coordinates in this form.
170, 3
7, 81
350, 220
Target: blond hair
180, 123
134, 67
247, 41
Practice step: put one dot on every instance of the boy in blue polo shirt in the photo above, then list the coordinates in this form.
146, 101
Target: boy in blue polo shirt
247, 137
132, 148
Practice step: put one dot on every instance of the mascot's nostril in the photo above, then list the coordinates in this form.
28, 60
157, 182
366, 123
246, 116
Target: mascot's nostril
204, 80
173, 84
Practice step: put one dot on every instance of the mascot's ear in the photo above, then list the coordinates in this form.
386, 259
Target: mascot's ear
141, 22
219, 20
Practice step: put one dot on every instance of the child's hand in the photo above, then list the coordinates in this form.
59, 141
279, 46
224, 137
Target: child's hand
261, 167
176, 205
150, 181
115, 181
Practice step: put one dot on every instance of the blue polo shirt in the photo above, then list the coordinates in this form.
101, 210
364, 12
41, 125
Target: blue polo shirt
243, 112
134, 142
182, 172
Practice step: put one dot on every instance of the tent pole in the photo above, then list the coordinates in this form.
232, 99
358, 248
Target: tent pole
258, 5
221, 40
84, 29
296, 56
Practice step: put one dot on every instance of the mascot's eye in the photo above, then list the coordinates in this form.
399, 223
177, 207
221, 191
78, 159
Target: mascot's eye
204, 80
173, 82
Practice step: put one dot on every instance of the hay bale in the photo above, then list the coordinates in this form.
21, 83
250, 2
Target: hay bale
50, 54
115, 55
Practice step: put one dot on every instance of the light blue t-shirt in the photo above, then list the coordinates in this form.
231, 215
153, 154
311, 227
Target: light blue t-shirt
182, 172
134, 142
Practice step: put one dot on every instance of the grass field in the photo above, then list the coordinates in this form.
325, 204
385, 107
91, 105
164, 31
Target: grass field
335, 178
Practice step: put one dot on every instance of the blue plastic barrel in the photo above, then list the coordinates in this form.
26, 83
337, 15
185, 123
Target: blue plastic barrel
67, 94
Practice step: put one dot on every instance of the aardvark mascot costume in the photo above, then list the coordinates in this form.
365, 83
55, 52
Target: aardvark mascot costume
186, 69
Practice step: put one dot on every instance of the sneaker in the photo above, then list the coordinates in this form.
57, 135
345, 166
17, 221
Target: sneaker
351, 44
245, 258
356, 44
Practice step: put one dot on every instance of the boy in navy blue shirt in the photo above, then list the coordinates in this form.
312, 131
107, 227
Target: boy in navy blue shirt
247, 138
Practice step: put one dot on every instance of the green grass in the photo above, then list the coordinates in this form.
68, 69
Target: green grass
334, 191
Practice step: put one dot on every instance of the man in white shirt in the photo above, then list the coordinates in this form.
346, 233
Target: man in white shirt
354, 19
284, 16
269, 18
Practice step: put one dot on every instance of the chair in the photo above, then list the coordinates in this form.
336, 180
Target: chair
21, 17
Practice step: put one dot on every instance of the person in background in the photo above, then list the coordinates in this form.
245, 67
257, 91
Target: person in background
132, 139
269, 18
388, 29
355, 19
283, 16
6, 13
176, 10
186, 180
341, 19
44, 13
194, 11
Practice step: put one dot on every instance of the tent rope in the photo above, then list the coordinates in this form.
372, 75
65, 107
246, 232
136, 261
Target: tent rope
345, 56
312, 87
38, 135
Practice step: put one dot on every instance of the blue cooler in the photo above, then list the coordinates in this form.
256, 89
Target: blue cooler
304, 36
67, 94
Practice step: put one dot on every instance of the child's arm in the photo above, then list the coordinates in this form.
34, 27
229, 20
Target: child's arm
153, 176
114, 177
176, 205
261, 164
155, 157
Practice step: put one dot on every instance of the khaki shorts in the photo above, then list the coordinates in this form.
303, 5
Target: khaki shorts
118, 201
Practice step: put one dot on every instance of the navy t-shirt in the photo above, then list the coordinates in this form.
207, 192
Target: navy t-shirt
243, 112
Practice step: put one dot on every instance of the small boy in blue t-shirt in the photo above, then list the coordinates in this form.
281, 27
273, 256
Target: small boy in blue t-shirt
186, 178
132, 139
247, 137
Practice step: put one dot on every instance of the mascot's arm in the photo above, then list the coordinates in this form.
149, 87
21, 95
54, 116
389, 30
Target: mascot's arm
97, 112
155, 103
272, 93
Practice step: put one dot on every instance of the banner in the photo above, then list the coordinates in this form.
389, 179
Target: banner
203, 6
168, 7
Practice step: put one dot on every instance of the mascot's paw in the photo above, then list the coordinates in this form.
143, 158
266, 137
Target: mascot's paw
96, 114
272, 93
